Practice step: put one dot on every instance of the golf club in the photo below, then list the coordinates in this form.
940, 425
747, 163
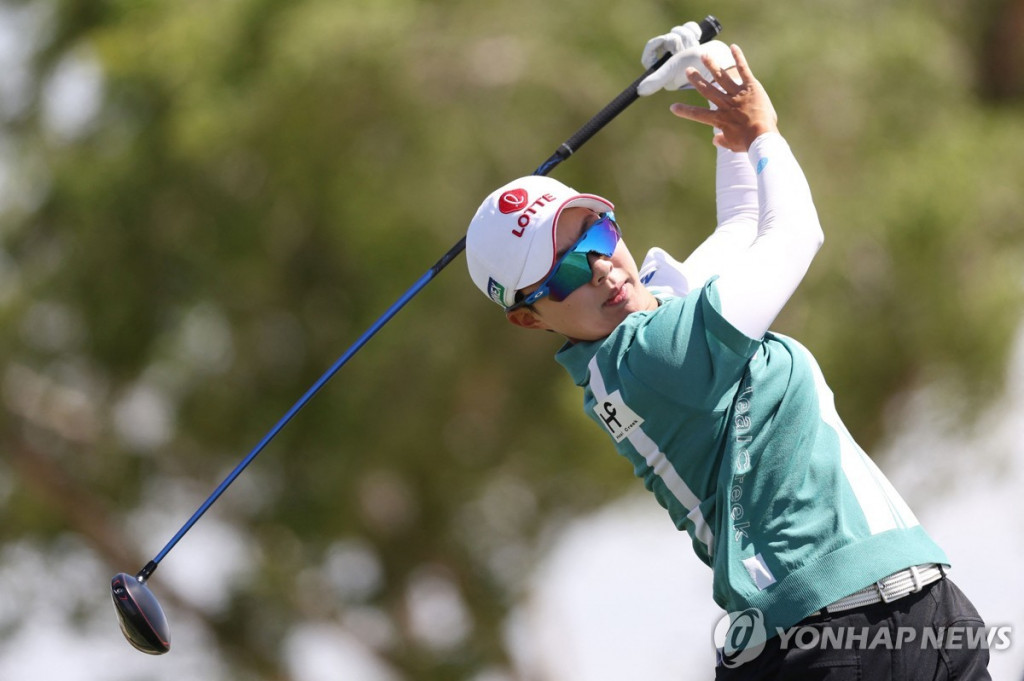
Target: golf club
141, 618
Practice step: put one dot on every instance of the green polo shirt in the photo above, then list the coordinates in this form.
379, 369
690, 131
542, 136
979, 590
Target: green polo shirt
739, 440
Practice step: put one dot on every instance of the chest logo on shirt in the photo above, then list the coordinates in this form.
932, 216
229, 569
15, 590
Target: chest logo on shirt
616, 416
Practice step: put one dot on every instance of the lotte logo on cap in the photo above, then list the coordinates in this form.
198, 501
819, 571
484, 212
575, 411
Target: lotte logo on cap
513, 200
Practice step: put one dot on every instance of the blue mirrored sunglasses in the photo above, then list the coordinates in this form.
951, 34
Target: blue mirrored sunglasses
572, 270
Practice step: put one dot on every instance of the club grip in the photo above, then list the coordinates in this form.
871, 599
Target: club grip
709, 28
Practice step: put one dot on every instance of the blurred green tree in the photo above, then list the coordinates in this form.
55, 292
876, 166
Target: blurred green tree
205, 202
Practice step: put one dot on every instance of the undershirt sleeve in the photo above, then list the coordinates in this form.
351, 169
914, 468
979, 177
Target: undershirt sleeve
736, 229
736, 201
754, 285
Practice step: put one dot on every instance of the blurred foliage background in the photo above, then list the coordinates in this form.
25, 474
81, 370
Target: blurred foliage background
202, 204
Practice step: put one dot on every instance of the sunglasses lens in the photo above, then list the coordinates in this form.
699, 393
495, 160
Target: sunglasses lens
573, 272
574, 269
601, 237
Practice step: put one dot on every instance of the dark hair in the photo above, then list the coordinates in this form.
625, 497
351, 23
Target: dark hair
519, 298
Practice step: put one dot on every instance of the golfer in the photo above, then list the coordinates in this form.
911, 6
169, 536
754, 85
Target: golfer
731, 426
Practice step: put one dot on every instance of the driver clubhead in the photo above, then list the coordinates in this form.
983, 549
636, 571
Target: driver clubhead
142, 619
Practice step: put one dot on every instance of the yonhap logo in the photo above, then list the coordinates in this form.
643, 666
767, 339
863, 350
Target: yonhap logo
740, 637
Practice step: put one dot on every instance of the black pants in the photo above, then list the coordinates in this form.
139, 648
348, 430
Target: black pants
929, 638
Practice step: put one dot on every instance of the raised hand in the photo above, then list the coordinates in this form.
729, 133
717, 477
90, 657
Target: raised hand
742, 110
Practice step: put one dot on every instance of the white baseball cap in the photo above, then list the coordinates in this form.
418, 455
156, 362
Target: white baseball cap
511, 239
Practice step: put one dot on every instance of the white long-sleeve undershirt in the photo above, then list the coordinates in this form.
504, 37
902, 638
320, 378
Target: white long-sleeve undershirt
767, 234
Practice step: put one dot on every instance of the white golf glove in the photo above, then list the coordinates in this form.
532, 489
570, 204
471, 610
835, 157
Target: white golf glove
672, 75
677, 40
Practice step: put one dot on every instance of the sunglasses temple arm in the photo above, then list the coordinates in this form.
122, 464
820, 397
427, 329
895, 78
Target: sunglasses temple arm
710, 27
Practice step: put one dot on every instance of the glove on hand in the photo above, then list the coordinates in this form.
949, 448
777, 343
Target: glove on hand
672, 75
674, 42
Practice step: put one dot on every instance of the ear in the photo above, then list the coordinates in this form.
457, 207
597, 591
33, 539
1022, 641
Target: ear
526, 318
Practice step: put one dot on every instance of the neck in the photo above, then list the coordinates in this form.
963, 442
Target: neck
651, 303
